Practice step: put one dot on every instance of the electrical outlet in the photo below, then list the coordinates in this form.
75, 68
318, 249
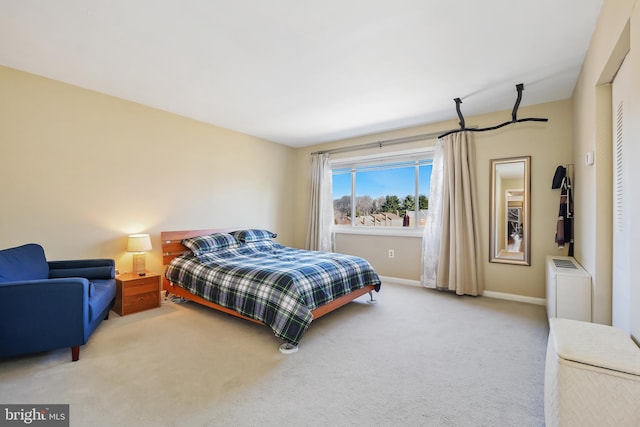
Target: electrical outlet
392, 253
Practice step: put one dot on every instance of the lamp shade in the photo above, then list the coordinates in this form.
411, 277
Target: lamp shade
139, 243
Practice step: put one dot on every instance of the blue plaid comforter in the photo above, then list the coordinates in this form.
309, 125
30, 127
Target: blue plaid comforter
274, 284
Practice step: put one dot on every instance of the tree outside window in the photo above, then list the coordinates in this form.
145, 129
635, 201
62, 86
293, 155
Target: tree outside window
382, 194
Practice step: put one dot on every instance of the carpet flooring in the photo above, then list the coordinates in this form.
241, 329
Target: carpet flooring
416, 358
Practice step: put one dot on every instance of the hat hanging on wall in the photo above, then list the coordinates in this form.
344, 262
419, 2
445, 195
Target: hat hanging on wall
561, 172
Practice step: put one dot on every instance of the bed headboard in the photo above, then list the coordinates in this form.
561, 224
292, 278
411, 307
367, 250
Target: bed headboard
171, 241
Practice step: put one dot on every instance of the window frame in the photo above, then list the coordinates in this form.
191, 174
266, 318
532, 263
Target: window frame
388, 157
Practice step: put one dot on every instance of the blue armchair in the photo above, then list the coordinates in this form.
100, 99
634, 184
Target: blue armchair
51, 305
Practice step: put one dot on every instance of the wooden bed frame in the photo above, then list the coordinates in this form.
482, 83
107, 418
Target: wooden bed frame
172, 247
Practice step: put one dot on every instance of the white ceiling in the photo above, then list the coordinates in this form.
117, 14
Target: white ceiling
301, 72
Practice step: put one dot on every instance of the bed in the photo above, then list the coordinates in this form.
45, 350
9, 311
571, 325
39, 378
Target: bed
247, 274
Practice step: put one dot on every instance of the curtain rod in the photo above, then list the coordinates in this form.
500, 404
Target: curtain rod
380, 144
514, 116
441, 134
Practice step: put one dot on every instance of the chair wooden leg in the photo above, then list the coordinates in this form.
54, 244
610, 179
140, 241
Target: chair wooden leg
75, 353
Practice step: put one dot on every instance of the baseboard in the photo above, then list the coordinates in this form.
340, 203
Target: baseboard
488, 294
400, 281
514, 297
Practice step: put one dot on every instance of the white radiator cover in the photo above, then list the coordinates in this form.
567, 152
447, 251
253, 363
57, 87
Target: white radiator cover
568, 289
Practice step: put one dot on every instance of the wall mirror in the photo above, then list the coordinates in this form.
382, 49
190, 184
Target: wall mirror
510, 225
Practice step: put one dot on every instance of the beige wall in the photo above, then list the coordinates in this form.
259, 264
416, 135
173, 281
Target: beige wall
80, 170
617, 33
376, 250
549, 145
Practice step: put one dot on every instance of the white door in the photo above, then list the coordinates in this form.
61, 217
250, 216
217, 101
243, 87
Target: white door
621, 291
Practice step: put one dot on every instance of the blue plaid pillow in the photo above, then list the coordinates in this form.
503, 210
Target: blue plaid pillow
210, 243
253, 235
262, 245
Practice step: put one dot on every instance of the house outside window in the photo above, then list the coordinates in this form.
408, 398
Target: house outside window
388, 192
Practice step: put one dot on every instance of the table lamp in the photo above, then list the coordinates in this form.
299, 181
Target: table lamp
139, 244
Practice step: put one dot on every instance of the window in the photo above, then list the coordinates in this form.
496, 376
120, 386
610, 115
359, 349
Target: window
374, 192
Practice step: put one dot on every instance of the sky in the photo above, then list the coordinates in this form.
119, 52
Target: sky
389, 182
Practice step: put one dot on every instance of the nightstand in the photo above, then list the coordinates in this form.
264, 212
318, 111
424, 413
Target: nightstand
136, 293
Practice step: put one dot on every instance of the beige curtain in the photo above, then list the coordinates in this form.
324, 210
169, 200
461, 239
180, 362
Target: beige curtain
459, 263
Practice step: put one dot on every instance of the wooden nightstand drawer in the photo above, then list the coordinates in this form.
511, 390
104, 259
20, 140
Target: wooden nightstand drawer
141, 286
140, 302
136, 293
